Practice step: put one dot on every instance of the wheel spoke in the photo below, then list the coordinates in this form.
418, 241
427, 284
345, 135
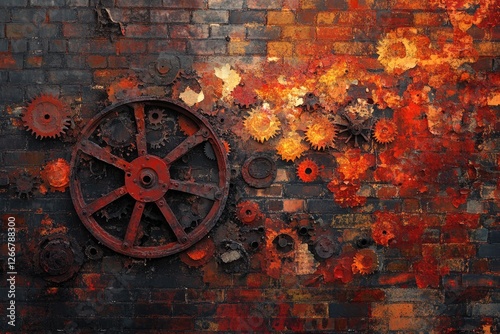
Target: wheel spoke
133, 225
203, 190
141, 129
101, 202
186, 145
172, 220
102, 154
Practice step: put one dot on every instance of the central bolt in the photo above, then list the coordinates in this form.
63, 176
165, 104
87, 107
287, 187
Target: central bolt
148, 178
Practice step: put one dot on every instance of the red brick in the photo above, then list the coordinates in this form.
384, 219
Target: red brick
184, 4
117, 62
426, 19
160, 45
319, 310
131, 46
410, 4
97, 61
293, 205
263, 4
198, 31
395, 19
146, 31
335, 33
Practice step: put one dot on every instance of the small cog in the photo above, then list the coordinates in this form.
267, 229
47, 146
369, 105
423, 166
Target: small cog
46, 117
307, 170
209, 151
311, 102
385, 131
365, 262
157, 138
155, 118
25, 184
247, 212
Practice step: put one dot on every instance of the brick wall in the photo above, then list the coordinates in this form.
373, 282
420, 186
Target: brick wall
396, 231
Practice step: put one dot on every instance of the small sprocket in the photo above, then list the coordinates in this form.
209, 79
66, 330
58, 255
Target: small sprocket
46, 117
25, 184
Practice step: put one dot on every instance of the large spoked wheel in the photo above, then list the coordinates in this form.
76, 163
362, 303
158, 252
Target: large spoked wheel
149, 178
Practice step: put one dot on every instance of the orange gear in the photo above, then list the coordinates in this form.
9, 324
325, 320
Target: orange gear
385, 131
227, 147
187, 126
321, 134
261, 124
291, 147
365, 262
247, 212
199, 254
46, 117
56, 173
307, 170
384, 231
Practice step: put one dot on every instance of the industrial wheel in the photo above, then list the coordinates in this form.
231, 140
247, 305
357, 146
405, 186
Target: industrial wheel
155, 200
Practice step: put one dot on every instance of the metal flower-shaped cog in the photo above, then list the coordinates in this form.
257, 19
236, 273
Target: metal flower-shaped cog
291, 147
365, 262
247, 212
354, 125
155, 118
385, 131
261, 124
311, 102
307, 170
321, 133
46, 117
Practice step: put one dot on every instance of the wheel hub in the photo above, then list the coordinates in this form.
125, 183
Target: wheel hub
148, 178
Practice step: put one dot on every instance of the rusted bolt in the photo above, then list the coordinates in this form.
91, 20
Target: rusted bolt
184, 239
122, 191
218, 195
204, 133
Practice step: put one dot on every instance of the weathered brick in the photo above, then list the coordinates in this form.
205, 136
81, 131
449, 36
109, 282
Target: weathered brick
395, 19
20, 30
139, 3
298, 32
490, 49
58, 45
207, 47
392, 310
486, 310
210, 16
411, 4
185, 4
97, 61
263, 4
29, 15
293, 205
147, 31
316, 310
247, 16
335, 33
77, 30
427, 19
198, 31
169, 16
14, 3
280, 17
77, 3
279, 49
263, 32
62, 15
47, 3
131, 46
247, 47
27, 76
489, 251
177, 45
237, 32
225, 4
354, 48
345, 310
336, 4
311, 4
69, 76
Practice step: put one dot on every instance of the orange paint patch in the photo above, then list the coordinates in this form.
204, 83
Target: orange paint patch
56, 174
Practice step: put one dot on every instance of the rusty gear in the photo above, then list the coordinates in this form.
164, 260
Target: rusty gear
199, 254
385, 131
248, 212
321, 133
140, 178
46, 117
365, 262
291, 147
307, 170
227, 147
187, 126
311, 102
117, 131
58, 258
259, 171
355, 126
261, 124
157, 138
155, 118
209, 152
25, 184
244, 97
56, 174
